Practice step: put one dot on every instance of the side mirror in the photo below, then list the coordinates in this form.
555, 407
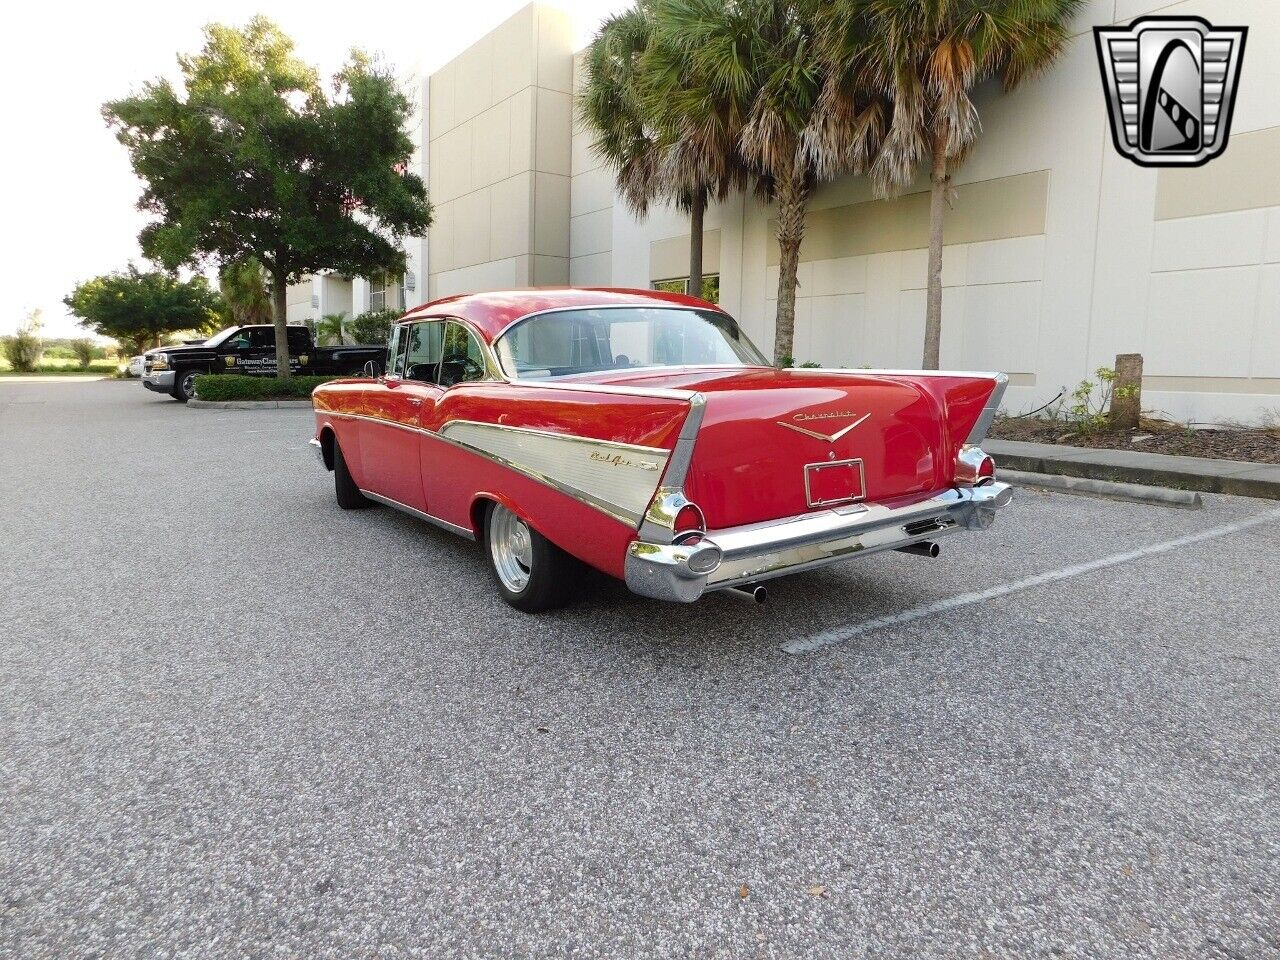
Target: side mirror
371, 369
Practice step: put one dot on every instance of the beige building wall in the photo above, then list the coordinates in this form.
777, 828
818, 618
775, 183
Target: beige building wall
500, 120
298, 306
316, 295
591, 204
1059, 252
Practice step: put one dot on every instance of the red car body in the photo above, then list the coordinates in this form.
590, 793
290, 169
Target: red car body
678, 479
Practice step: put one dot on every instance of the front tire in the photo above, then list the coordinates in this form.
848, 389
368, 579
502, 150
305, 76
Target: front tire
184, 385
348, 494
531, 572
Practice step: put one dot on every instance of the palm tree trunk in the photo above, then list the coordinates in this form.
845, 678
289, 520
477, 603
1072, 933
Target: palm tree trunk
696, 212
793, 197
280, 305
939, 181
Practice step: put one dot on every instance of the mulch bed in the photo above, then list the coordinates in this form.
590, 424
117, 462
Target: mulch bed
1258, 446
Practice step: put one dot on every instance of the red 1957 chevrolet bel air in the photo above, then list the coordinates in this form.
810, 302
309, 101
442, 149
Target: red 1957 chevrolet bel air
642, 433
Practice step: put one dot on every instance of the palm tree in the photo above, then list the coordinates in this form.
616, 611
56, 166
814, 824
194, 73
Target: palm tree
329, 330
927, 56
655, 140
757, 69
244, 288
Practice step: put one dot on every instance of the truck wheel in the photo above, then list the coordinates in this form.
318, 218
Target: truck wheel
184, 385
348, 494
532, 573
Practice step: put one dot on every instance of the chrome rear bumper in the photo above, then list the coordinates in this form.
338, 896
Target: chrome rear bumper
761, 551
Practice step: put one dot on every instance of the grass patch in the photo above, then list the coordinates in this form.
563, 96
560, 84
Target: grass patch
55, 367
224, 386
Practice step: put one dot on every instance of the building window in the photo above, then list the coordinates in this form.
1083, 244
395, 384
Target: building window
710, 286
386, 292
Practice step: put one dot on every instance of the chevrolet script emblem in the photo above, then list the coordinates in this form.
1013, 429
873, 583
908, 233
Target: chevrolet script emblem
830, 438
1171, 86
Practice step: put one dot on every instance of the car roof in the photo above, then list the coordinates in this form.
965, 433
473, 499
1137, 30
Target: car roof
493, 311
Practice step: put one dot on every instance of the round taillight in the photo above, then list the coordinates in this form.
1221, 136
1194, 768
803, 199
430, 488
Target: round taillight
986, 469
689, 519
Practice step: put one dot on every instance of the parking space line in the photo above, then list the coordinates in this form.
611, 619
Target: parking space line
840, 634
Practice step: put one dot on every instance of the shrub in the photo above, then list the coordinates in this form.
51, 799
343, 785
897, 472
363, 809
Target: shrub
84, 351
23, 350
372, 327
224, 386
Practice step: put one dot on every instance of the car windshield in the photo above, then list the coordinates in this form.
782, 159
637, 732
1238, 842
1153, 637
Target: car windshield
567, 342
217, 338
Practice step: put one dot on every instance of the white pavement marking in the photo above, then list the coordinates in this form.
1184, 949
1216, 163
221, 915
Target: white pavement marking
840, 634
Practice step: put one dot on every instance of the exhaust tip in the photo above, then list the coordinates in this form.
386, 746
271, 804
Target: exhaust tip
750, 591
925, 548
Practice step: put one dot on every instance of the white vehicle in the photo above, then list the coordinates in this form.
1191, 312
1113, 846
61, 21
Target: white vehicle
135, 367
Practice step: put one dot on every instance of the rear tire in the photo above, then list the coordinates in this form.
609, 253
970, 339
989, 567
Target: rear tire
531, 572
348, 494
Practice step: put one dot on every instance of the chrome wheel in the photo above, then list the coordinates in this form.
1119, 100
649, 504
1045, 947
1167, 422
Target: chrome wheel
189, 385
511, 546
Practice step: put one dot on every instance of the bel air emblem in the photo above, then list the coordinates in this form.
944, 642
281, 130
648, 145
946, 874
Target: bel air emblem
1171, 85
830, 438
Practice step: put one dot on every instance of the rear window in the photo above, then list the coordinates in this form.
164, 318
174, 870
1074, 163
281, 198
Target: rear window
568, 342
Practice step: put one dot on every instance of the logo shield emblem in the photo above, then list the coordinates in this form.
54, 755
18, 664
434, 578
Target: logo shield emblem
1171, 86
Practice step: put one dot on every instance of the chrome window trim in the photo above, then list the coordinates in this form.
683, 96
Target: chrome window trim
415, 512
618, 306
493, 372
661, 393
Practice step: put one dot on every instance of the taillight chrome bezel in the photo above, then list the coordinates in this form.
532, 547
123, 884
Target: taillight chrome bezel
974, 467
699, 519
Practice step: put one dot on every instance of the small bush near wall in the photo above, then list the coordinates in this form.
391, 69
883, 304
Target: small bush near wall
372, 327
223, 386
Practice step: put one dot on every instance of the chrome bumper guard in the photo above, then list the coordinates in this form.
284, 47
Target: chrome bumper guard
761, 551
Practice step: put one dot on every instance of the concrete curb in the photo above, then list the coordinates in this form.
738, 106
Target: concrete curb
1233, 477
1137, 493
246, 404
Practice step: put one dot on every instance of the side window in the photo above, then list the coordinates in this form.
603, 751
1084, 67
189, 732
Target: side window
463, 360
299, 341
261, 338
423, 357
395, 352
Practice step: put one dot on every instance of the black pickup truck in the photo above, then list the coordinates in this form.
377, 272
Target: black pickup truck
250, 350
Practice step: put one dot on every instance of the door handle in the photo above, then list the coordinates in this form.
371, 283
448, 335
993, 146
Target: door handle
415, 401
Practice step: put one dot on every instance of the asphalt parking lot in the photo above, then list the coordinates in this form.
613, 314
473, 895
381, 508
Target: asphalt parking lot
238, 721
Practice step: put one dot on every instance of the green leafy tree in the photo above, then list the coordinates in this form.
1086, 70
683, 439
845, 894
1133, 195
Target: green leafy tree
253, 157
84, 350
329, 331
653, 125
24, 349
372, 326
927, 56
243, 286
139, 308
756, 66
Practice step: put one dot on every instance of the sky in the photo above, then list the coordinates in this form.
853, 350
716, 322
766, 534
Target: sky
70, 213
